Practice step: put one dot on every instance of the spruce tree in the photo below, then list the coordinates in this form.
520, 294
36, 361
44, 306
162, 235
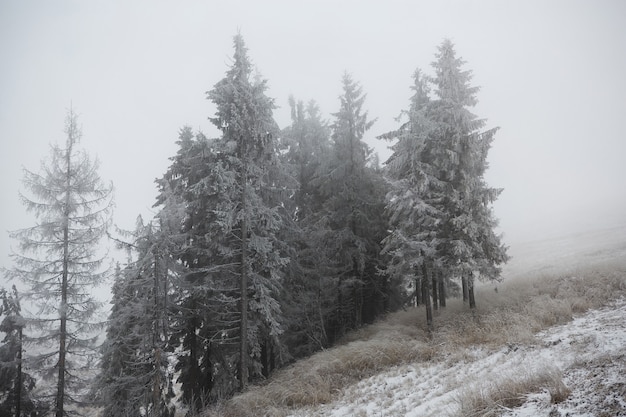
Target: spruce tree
228, 320
469, 245
59, 259
195, 296
439, 206
117, 385
135, 371
307, 144
16, 385
248, 217
353, 199
413, 200
309, 295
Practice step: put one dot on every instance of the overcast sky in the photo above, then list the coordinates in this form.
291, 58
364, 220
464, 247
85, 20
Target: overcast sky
552, 76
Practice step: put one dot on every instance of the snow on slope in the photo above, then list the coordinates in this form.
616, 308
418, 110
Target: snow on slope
590, 352
566, 253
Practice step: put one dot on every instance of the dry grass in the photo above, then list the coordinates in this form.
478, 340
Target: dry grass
511, 391
317, 379
522, 308
511, 316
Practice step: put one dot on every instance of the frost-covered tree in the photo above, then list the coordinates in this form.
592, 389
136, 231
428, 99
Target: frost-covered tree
248, 215
353, 199
309, 295
228, 320
413, 200
307, 143
469, 245
195, 296
439, 205
16, 385
135, 377
59, 259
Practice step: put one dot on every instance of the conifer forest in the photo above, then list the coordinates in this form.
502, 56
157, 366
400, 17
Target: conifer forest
268, 243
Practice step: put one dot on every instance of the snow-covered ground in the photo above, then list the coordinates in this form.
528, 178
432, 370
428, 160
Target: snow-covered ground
586, 357
589, 353
566, 253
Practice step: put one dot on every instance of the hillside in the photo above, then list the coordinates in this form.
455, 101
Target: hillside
575, 369
549, 342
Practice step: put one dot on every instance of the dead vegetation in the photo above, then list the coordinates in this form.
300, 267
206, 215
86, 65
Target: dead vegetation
519, 309
492, 398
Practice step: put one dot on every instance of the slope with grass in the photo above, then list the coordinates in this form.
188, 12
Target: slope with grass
548, 342
530, 379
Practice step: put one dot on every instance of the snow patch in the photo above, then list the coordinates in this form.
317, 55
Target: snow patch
590, 352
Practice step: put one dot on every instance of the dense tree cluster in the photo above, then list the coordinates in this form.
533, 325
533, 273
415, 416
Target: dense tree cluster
269, 244
439, 206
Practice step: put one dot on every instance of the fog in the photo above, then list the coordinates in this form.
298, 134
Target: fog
551, 75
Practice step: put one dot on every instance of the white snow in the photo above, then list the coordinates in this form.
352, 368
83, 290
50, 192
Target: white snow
590, 352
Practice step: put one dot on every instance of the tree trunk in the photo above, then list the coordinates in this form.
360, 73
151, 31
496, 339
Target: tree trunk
465, 289
426, 292
165, 316
357, 295
18, 385
358, 303
324, 335
265, 371
424, 286
418, 290
243, 328
60, 396
385, 291
434, 288
470, 288
442, 289
156, 341
268, 363
338, 330
156, 390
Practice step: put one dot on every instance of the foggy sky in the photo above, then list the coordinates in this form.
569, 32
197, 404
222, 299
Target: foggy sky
552, 76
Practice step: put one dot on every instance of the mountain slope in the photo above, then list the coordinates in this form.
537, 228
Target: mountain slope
541, 335
576, 368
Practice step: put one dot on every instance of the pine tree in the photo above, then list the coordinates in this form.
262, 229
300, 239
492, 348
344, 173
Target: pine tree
59, 259
469, 245
16, 385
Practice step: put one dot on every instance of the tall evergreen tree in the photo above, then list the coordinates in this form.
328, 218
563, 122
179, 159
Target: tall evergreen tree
439, 206
414, 196
135, 374
199, 309
249, 216
309, 295
470, 245
353, 201
228, 319
16, 385
59, 259
307, 143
